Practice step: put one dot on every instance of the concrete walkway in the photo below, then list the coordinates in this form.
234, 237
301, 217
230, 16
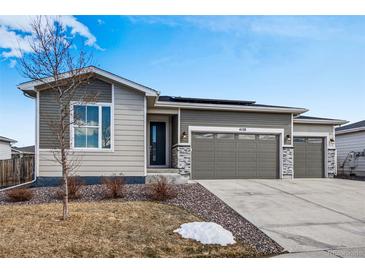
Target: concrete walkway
308, 217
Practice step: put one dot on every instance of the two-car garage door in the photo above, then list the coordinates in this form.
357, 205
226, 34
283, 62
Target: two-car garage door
234, 156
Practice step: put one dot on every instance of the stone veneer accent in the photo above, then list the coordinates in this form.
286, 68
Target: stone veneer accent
181, 159
288, 162
331, 162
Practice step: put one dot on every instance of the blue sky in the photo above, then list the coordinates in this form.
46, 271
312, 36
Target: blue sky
312, 62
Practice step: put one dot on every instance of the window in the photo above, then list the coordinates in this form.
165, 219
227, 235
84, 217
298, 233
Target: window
267, 137
92, 126
315, 141
203, 136
246, 137
225, 136
299, 140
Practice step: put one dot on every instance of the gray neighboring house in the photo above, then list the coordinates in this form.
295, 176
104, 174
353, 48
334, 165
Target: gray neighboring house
133, 130
350, 141
21, 151
5, 147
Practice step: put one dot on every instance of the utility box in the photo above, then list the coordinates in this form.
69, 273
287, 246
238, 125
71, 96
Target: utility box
352, 159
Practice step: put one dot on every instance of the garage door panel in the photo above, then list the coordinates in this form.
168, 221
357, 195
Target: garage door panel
249, 174
204, 147
308, 157
228, 156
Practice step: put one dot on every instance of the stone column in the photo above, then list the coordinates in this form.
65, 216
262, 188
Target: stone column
181, 159
288, 162
331, 162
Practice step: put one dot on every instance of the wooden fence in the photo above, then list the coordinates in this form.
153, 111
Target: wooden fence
18, 170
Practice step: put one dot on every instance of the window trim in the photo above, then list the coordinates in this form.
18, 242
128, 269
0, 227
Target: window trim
73, 126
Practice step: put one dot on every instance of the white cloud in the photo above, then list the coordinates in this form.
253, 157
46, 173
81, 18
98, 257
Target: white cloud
100, 22
13, 43
310, 27
15, 32
12, 63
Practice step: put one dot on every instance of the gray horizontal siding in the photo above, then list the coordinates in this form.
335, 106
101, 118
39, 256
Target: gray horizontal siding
233, 119
174, 129
347, 143
48, 108
314, 128
128, 156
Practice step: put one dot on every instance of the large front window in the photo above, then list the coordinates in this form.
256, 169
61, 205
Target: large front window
92, 126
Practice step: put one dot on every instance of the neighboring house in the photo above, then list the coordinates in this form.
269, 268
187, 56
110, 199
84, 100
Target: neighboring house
137, 132
22, 151
5, 147
350, 141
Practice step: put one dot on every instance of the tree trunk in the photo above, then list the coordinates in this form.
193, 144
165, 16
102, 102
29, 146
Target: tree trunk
64, 166
65, 197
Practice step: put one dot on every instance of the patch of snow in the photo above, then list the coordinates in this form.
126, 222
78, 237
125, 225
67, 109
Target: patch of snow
206, 233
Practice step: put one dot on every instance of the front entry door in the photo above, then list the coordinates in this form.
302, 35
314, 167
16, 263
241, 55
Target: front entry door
157, 143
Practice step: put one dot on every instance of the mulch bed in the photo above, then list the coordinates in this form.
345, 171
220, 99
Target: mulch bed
192, 197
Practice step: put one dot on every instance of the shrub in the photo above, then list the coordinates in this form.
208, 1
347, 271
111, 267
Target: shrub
114, 187
19, 194
162, 190
74, 184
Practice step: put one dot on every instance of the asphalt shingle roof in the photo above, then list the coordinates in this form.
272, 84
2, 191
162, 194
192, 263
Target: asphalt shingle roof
312, 117
178, 99
27, 149
352, 126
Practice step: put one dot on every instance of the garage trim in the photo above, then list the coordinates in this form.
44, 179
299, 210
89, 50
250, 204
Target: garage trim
327, 146
276, 131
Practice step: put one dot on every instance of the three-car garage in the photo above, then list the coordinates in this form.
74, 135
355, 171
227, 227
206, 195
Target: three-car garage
252, 156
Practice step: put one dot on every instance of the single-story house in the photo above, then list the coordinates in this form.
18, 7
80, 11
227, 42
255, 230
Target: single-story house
132, 130
22, 151
5, 147
350, 142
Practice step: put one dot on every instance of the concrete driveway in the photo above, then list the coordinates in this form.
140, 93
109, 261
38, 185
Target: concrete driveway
308, 217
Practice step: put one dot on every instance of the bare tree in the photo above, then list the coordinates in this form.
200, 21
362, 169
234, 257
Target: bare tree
58, 66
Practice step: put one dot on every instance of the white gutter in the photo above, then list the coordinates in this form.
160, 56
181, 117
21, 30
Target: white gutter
230, 107
320, 122
23, 184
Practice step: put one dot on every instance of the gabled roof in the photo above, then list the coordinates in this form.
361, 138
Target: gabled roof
5, 139
29, 87
303, 119
354, 127
222, 104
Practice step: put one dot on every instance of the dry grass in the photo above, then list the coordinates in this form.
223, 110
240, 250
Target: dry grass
103, 229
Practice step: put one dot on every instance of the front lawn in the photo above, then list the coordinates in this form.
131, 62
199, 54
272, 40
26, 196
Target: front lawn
103, 229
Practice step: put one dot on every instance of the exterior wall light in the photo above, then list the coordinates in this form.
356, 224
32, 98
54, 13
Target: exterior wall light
184, 135
288, 138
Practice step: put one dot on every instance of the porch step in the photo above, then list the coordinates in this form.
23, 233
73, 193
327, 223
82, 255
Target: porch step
162, 170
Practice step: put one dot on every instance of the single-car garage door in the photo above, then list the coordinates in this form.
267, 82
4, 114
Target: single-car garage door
234, 156
308, 157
